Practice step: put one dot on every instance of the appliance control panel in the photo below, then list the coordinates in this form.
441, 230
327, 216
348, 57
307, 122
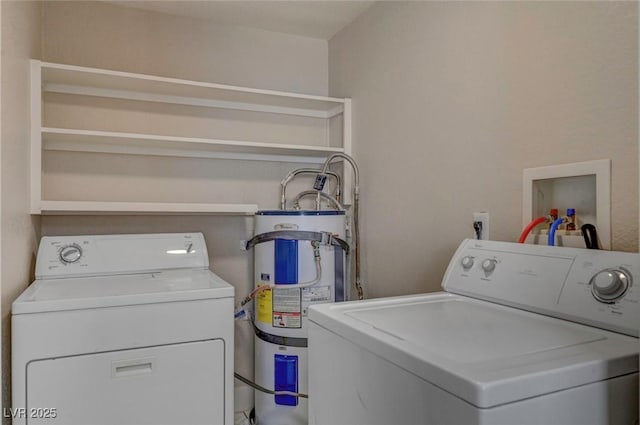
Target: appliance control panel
594, 287
74, 256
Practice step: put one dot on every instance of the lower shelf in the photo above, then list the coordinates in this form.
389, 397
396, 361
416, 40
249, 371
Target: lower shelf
133, 208
65, 139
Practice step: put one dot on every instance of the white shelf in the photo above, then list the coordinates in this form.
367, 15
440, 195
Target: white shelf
86, 85
63, 139
59, 78
132, 208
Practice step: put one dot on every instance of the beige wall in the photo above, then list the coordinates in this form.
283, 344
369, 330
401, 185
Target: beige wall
452, 100
2, 343
20, 42
115, 37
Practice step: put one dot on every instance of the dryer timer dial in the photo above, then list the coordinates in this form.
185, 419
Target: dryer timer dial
467, 262
70, 253
609, 285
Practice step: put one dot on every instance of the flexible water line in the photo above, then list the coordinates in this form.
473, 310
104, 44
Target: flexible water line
266, 390
590, 236
552, 231
299, 196
356, 212
530, 227
316, 260
294, 173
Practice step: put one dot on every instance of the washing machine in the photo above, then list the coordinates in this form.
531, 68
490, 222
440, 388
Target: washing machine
123, 329
521, 334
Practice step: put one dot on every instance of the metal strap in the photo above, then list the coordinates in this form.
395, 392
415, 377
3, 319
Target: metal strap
280, 340
324, 238
341, 291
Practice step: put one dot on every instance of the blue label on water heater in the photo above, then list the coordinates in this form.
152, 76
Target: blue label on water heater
286, 379
285, 261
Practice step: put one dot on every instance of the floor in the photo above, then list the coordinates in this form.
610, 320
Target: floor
241, 418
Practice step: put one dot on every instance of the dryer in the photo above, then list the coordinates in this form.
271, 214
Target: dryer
123, 329
522, 334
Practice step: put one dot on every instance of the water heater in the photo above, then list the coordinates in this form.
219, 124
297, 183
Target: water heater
301, 256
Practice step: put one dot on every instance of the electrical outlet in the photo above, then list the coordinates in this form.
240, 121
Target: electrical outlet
481, 225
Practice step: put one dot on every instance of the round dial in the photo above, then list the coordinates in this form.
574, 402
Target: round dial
488, 265
467, 262
70, 253
609, 285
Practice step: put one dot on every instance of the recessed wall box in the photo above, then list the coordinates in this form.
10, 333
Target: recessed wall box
585, 186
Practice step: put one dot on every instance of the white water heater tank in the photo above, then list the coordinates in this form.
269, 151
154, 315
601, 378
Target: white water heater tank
281, 313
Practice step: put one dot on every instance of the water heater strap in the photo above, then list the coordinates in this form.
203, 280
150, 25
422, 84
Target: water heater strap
339, 277
280, 340
324, 238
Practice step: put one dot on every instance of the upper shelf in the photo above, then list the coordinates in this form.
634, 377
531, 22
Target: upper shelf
71, 79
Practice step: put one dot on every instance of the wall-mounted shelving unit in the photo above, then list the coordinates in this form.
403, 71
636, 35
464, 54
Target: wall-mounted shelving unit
87, 84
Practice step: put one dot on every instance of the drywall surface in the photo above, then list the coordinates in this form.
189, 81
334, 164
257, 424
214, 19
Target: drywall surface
107, 36
114, 37
20, 42
452, 100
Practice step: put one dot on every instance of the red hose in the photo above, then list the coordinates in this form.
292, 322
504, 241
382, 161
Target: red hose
530, 227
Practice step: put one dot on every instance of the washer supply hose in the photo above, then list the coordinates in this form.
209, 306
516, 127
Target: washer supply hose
552, 231
590, 236
530, 227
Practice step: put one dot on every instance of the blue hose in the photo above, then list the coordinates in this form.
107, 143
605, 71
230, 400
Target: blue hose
552, 231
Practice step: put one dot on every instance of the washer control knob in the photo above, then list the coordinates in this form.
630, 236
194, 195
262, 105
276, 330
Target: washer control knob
489, 265
467, 262
70, 253
609, 285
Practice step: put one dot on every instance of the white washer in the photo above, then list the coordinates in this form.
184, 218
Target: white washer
123, 329
522, 335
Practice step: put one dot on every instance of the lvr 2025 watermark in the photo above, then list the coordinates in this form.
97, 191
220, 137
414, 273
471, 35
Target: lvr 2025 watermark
31, 413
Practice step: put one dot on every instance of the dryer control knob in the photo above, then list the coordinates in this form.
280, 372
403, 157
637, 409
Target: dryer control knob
467, 262
609, 285
70, 253
489, 265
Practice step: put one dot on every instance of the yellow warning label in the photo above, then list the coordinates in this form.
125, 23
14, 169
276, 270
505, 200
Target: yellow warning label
264, 306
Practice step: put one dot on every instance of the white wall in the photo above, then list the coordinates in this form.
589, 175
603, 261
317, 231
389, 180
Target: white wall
20, 42
452, 100
115, 37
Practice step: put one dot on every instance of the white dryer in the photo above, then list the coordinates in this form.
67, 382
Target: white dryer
123, 329
523, 334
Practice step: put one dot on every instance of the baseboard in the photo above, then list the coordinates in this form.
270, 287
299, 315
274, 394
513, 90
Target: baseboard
243, 398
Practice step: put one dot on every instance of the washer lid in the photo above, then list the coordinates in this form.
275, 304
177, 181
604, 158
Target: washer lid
111, 291
484, 353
